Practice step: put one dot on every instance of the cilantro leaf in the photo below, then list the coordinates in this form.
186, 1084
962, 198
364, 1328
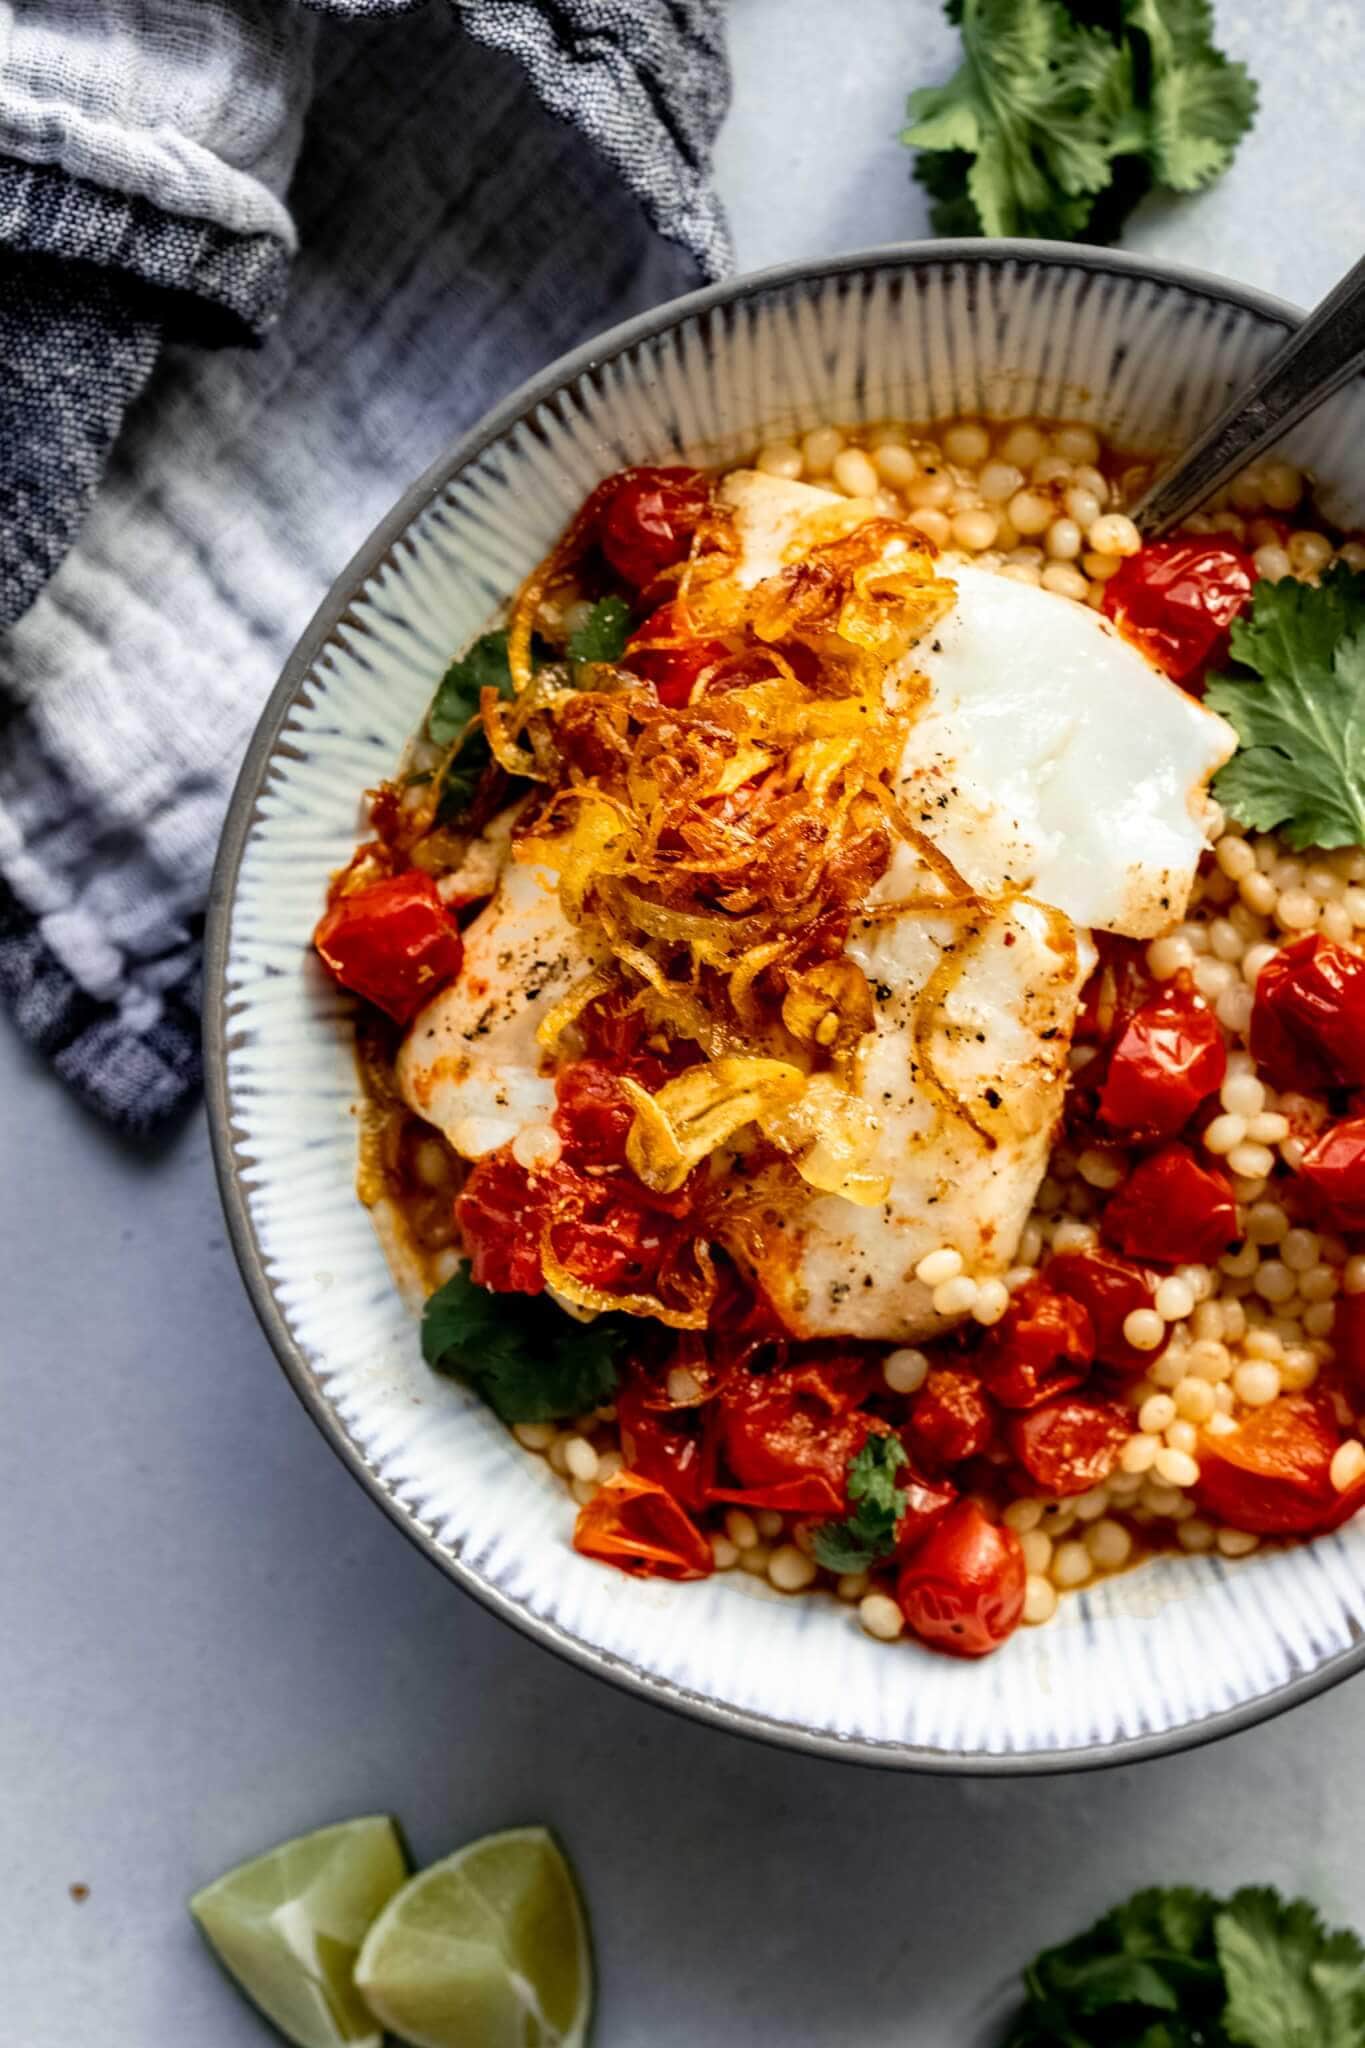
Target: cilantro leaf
869, 1532
1064, 113
1301, 763
1290, 1983
484, 666
602, 635
526, 1358
1200, 102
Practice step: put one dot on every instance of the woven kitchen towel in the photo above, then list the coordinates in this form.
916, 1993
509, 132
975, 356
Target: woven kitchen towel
453, 234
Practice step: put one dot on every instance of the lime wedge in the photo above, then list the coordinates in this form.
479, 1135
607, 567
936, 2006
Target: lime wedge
289, 1924
488, 1949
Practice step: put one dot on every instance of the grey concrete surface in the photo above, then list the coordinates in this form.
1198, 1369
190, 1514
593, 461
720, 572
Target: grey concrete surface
210, 1639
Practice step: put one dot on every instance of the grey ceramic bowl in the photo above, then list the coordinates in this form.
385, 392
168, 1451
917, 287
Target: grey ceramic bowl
1179, 1652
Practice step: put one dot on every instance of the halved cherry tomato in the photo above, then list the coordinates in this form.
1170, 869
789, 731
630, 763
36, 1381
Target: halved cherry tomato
1175, 599
1068, 1446
1172, 1208
926, 1503
1308, 1020
951, 1418
1169, 1058
500, 1214
593, 1113
1334, 1168
648, 520
1273, 1474
672, 669
1042, 1345
637, 1525
1111, 1288
963, 1590
677, 1451
787, 1444
1348, 1343
392, 942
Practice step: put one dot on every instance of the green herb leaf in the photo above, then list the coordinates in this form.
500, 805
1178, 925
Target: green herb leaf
1301, 763
1064, 112
456, 701
869, 1531
529, 1360
602, 635
1290, 1983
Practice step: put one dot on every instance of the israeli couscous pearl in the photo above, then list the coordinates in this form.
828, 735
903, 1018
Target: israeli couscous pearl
1177, 1468
1109, 1543
1040, 1599
967, 442
955, 1297
741, 1528
905, 1371
992, 1300
1144, 1330
1030, 512
1114, 534
1256, 1383
724, 1555
1348, 1464
1071, 1565
780, 458
851, 1585
1036, 1545
789, 1569
881, 1617
819, 448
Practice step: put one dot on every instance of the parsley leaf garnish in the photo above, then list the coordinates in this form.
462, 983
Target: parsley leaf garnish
869, 1531
1178, 1968
1064, 112
529, 1360
1301, 763
602, 635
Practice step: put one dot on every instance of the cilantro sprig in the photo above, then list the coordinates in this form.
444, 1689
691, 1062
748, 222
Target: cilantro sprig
1300, 714
603, 633
529, 1360
455, 706
868, 1532
1063, 113
1179, 1968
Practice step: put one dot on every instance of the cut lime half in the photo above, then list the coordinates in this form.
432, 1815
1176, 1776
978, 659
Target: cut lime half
289, 1924
488, 1949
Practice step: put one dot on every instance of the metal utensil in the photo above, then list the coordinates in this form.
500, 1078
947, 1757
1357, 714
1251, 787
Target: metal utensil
1317, 360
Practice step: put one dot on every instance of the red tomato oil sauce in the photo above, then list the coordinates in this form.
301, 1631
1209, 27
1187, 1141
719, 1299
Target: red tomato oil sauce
1176, 1357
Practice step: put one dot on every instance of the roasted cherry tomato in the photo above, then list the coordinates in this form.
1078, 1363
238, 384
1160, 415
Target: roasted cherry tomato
1348, 1343
637, 1525
1111, 1288
787, 1444
1170, 1057
392, 942
1042, 1345
951, 1419
648, 520
593, 1113
1334, 1168
1172, 1208
1175, 599
672, 669
1068, 1446
676, 1451
963, 1589
500, 1214
1308, 1021
1273, 1475
926, 1502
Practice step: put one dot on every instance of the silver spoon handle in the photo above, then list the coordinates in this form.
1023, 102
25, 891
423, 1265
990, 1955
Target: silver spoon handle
1317, 360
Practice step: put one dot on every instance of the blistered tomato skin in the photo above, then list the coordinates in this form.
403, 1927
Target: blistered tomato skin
676, 1451
593, 1113
673, 670
1333, 1168
963, 1588
1170, 1058
926, 1503
392, 942
951, 1420
499, 1212
638, 1525
1272, 1476
1308, 1021
787, 1444
1176, 599
1043, 1345
1172, 1209
1110, 1288
1069, 1445
649, 519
